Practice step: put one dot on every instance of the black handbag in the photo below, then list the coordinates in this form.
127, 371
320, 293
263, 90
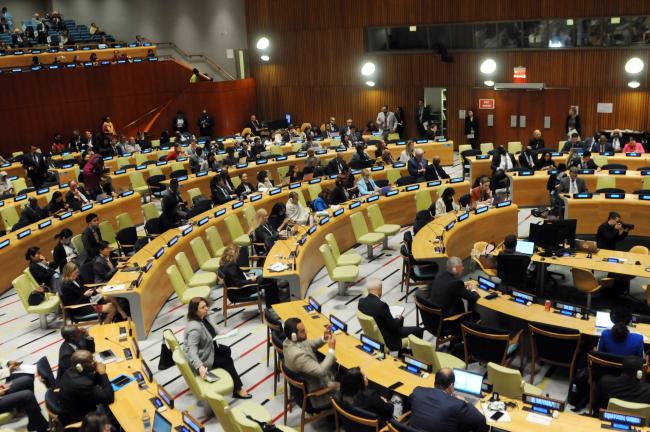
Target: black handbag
166, 360
266, 427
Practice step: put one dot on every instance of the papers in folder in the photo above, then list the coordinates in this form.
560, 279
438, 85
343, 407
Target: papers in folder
396, 311
226, 335
26, 369
489, 413
111, 288
278, 267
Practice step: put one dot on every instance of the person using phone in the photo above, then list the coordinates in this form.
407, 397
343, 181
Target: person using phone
300, 357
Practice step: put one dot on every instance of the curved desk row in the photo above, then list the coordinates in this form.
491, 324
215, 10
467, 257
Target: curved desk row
12, 254
43, 195
592, 212
388, 371
48, 57
13, 169
530, 190
154, 290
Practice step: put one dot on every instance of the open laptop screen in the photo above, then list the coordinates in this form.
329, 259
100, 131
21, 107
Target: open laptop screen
468, 382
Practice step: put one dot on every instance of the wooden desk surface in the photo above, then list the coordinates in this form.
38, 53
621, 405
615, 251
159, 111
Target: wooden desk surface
130, 400
43, 200
491, 226
48, 58
591, 213
398, 209
598, 262
13, 255
14, 169
530, 191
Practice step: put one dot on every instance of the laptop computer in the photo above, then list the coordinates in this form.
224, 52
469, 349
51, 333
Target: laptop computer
469, 384
525, 247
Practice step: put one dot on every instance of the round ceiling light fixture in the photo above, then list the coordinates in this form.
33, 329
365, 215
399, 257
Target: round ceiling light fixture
368, 69
634, 65
488, 66
263, 43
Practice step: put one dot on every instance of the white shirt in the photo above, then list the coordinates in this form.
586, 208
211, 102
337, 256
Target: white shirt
441, 208
573, 187
297, 213
505, 163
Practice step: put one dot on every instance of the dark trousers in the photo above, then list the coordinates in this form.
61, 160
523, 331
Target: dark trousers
223, 360
21, 396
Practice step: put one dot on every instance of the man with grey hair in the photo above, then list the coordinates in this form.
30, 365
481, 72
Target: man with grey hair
447, 291
391, 327
417, 165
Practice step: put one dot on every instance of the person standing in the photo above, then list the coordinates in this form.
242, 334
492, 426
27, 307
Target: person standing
386, 121
573, 121
206, 124
422, 116
471, 129
399, 117
611, 232
36, 166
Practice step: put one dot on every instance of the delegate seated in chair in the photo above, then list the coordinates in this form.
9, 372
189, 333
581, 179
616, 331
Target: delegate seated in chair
17, 393
448, 291
392, 328
627, 386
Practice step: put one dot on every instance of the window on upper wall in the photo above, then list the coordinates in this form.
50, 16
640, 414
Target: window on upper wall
565, 33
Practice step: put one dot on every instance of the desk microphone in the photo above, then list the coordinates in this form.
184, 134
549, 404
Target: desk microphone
144, 387
440, 237
116, 343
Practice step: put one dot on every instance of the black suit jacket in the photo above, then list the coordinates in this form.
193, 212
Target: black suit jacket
43, 275
496, 160
622, 387
471, 124
66, 350
388, 326
91, 245
266, 234
34, 167
450, 414
81, 393
219, 195
234, 276
241, 189
422, 218
75, 203
435, 172
31, 215
523, 160
103, 271
338, 195
334, 166
256, 127
448, 292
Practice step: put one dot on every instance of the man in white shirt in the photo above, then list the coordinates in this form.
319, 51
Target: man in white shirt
617, 140
386, 121
572, 184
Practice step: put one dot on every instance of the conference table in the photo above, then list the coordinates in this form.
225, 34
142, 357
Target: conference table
529, 189
388, 371
41, 234
13, 169
46, 58
130, 400
398, 209
42, 195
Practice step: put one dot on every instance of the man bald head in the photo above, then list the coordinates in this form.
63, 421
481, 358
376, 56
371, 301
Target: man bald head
445, 380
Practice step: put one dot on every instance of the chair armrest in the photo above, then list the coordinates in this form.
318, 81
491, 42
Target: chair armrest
93, 285
515, 339
457, 316
320, 392
607, 282
77, 306
235, 288
404, 416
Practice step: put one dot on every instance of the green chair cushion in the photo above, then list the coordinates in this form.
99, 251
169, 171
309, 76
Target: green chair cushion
211, 265
253, 409
141, 189
531, 389
190, 293
450, 361
198, 279
223, 385
220, 252
388, 229
243, 240
371, 238
6, 418
48, 306
345, 274
349, 260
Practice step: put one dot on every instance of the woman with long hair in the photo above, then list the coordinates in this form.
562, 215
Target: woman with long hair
234, 276
619, 340
354, 392
408, 153
446, 202
73, 293
64, 251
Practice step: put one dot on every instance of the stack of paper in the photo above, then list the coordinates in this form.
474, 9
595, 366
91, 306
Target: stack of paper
278, 267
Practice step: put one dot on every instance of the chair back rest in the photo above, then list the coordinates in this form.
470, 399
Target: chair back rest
188, 374
222, 411
137, 180
107, 232
369, 327
23, 288
214, 240
314, 190
601, 364
392, 175
9, 216
121, 161
514, 147
330, 264
176, 280
234, 227
282, 172
422, 200
553, 343
484, 343
632, 408
486, 147
29, 275
140, 158
584, 280
78, 243
599, 160
150, 211
605, 182
296, 384
396, 426
154, 226
358, 225
463, 147
431, 317
170, 340
645, 184
639, 249
424, 351
200, 251
194, 192
249, 215
353, 418
375, 216
512, 269
334, 246
236, 181
19, 184
124, 221
506, 381
155, 171
184, 266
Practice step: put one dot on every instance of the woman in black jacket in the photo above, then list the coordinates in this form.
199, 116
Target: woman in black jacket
471, 129
56, 204
43, 271
278, 218
74, 293
234, 276
355, 393
64, 251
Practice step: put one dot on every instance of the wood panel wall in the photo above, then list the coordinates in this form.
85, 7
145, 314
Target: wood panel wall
318, 49
36, 105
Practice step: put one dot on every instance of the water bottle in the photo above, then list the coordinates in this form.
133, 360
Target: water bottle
146, 420
398, 406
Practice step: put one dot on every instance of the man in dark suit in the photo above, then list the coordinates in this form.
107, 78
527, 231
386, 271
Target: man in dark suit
19, 40
586, 162
84, 386
254, 125
246, 152
528, 159
572, 184
36, 166
435, 171
91, 238
206, 124
601, 145
417, 165
422, 115
423, 217
573, 143
503, 160
219, 191
103, 267
438, 409
42, 271
337, 165
536, 142
345, 130
627, 386
74, 339
448, 291
76, 196
32, 213
392, 328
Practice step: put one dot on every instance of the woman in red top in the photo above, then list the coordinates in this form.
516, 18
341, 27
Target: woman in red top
174, 153
92, 174
58, 146
633, 147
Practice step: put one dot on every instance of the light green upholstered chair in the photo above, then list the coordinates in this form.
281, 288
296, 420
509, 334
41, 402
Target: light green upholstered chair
140, 158
249, 217
78, 243
645, 183
632, 408
122, 161
150, 211
341, 274
185, 293
124, 221
348, 258
423, 200
371, 329
509, 382
171, 340
24, 288
236, 231
378, 225
599, 160
424, 351
139, 185
392, 175
200, 388
9, 216
605, 182
463, 147
232, 417
194, 192
193, 279
215, 243
314, 190
6, 418
486, 147
362, 235
282, 171
514, 147
206, 262
108, 233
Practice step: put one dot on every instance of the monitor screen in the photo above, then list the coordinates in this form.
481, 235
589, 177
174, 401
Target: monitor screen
161, 424
486, 284
410, 361
338, 324
603, 320
525, 247
468, 382
369, 342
